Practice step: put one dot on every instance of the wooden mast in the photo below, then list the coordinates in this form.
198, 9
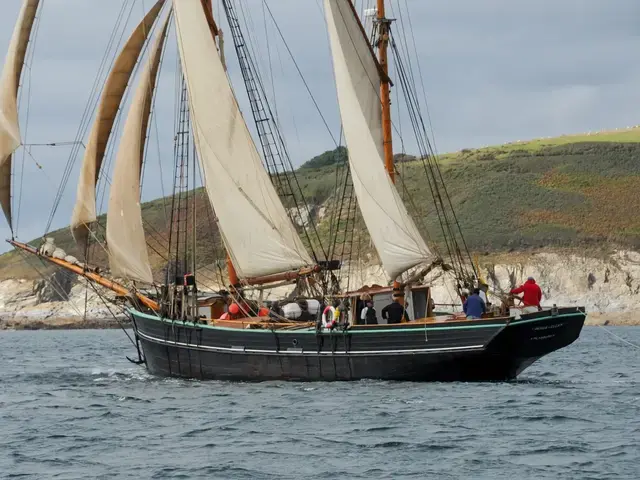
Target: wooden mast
207, 5
385, 99
385, 90
89, 275
208, 12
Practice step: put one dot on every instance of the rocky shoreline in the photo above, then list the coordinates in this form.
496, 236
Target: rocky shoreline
607, 286
63, 324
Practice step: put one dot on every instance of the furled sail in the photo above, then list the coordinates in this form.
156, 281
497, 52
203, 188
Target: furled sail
128, 256
9, 83
393, 231
257, 232
84, 212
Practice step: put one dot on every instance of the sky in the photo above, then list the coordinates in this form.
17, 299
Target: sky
493, 71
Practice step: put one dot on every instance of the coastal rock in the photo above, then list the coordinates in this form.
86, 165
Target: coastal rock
23, 303
564, 279
54, 289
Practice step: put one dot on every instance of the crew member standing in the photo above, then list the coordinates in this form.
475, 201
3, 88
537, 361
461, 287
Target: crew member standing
395, 312
532, 294
368, 314
474, 306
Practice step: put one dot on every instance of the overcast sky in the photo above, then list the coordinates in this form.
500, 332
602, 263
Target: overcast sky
494, 71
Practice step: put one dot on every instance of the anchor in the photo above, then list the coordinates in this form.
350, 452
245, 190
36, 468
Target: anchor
141, 360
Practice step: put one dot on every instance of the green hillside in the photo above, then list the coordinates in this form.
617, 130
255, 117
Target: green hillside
567, 192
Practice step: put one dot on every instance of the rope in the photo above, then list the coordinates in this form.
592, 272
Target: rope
51, 281
60, 291
304, 81
92, 102
619, 337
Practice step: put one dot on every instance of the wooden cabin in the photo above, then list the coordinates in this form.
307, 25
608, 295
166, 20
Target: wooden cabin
419, 301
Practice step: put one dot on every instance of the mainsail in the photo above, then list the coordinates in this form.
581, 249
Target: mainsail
10, 138
257, 232
126, 242
84, 212
394, 233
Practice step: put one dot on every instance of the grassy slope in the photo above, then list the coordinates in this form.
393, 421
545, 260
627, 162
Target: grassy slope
571, 192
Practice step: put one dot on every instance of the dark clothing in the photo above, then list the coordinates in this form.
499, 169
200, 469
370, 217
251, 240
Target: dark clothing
276, 312
394, 312
370, 317
532, 293
474, 306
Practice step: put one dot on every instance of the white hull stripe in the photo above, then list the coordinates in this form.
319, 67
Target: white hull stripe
300, 353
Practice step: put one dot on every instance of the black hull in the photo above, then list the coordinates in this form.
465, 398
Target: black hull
480, 350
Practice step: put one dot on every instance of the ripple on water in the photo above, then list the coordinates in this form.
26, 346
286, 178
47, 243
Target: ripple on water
72, 406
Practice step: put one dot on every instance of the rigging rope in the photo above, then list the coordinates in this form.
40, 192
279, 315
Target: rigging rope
619, 337
434, 175
304, 81
91, 103
275, 153
28, 65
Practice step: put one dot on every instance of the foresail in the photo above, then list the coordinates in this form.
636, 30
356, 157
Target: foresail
128, 256
394, 233
84, 212
9, 84
257, 232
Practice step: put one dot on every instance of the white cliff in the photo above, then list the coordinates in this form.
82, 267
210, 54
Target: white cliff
608, 286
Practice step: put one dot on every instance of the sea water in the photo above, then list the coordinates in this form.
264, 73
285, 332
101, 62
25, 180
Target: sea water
73, 407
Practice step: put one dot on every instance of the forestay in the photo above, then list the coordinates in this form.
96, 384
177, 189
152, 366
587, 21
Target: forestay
84, 212
257, 232
394, 233
10, 138
128, 256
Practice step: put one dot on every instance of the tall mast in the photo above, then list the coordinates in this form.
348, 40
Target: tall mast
385, 87
215, 31
208, 11
385, 99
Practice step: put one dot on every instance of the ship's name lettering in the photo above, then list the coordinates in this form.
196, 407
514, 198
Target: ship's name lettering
547, 327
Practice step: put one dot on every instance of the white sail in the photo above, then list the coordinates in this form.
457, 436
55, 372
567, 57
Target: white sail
394, 233
128, 256
10, 138
84, 212
257, 232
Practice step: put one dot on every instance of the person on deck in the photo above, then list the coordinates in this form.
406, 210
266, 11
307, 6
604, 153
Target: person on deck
395, 312
532, 294
483, 287
275, 311
233, 312
340, 314
474, 306
368, 315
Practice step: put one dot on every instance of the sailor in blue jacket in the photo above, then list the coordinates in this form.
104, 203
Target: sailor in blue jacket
474, 306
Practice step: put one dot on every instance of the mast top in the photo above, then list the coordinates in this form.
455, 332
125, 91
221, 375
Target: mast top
208, 11
385, 90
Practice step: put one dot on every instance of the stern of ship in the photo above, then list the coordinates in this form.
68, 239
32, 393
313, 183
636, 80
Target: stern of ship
530, 337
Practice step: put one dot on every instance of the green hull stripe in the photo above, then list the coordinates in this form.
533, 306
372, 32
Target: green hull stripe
532, 320
382, 330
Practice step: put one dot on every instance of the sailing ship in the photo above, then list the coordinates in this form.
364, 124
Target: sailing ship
181, 329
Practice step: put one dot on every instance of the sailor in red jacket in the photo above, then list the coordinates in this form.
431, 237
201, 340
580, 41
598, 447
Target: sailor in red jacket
532, 294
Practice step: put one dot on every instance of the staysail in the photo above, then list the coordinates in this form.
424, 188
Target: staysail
10, 138
394, 233
84, 212
128, 256
257, 232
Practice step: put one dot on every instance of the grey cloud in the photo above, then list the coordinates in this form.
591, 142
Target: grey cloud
494, 71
